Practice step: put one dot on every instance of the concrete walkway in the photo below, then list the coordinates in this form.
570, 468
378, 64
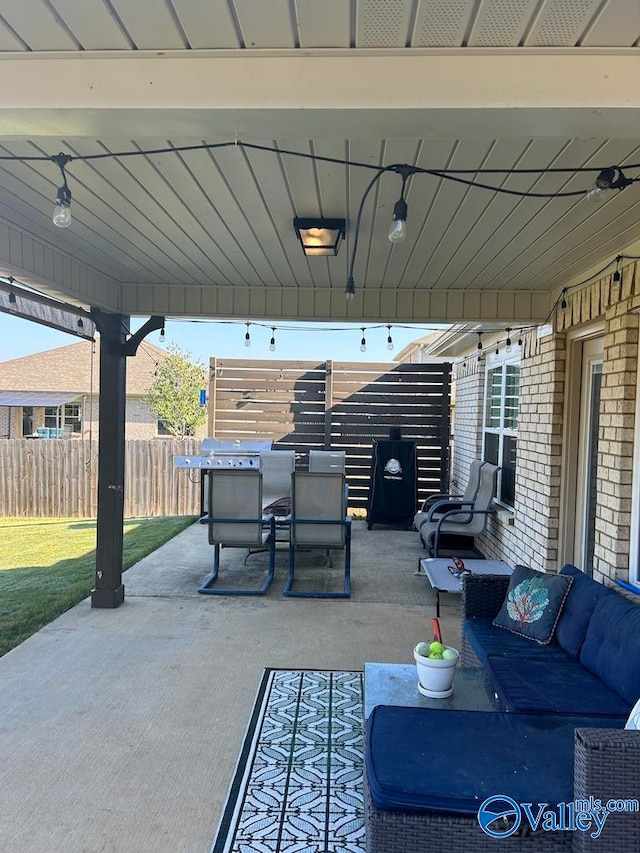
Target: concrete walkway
120, 729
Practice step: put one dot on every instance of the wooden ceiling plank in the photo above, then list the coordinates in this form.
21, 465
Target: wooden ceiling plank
326, 24
207, 25
265, 25
37, 25
92, 24
150, 24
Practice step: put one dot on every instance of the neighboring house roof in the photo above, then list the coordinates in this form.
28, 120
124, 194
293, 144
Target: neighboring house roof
36, 398
75, 371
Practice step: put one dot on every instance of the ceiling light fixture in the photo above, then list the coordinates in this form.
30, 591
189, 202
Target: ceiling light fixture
319, 237
62, 211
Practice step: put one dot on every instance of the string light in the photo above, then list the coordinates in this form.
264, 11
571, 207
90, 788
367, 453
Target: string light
498, 349
389, 339
247, 337
363, 342
161, 338
272, 342
62, 210
520, 339
480, 352
13, 302
563, 300
508, 347
617, 278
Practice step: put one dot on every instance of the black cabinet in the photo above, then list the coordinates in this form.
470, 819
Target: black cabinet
393, 484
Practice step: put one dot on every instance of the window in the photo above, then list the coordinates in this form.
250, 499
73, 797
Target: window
500, 436
68, 417
162, 427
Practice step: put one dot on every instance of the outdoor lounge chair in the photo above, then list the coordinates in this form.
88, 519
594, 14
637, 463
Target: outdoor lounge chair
470, 493
277, 467
468, 519
235, 520
319, 521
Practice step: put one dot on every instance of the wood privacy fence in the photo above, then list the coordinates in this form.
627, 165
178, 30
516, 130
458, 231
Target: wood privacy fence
339, 406
59, 478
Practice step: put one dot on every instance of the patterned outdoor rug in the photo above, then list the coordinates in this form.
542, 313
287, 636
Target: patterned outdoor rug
298, 784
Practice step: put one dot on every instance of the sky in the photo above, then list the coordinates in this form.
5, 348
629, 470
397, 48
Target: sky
203, 339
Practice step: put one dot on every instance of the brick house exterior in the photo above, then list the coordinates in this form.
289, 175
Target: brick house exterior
540, 528
75, 369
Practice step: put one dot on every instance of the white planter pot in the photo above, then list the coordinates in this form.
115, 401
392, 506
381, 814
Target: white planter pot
435, 676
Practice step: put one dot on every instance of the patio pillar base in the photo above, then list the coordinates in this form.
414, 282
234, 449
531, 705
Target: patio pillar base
107, 598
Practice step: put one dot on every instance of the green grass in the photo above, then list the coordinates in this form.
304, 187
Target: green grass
47, 565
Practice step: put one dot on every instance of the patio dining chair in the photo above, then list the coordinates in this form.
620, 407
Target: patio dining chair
467, 520
327, 460
319, 521
235, 520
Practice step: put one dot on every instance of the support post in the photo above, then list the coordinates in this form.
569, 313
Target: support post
109, 589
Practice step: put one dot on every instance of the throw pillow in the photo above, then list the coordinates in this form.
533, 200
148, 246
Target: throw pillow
533, 603
634, 717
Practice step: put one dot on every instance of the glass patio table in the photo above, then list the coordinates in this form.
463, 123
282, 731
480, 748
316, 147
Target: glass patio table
441, 579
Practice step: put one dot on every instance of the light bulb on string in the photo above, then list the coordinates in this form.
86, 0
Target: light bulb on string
398, 227
389, 339
350, 289
272, 342
617, 278
497, 349
480, 351
161, 338
62, 210
563, 300
520, 339
363, 342
508, 347
13, 302
247, 337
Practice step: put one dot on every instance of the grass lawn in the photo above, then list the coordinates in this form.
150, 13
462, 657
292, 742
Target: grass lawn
47, 565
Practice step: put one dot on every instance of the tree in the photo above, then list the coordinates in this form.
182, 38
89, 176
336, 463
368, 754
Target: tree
175, 393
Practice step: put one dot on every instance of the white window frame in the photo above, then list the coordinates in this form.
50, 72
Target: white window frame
493, 361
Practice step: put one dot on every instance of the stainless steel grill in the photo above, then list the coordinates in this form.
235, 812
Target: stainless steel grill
219, 453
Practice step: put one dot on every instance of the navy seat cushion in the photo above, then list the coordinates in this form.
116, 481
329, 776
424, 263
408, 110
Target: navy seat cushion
423, 760
485, 639
533, 603
578, 609
552, 687
611, 648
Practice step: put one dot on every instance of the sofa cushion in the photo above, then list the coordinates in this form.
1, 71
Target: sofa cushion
578, 609
611, 648
555, 686
485, 639
533, 603
418, 759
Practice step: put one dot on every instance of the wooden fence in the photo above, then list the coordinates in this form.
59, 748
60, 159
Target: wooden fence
298, 405
59, 478
336, 405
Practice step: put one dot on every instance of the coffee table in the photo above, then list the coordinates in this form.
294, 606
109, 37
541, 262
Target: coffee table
397, 684
441, 579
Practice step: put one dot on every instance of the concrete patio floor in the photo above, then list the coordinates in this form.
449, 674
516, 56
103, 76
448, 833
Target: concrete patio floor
120, 729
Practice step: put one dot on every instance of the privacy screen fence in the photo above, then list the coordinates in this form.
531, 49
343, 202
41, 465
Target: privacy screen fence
336, 406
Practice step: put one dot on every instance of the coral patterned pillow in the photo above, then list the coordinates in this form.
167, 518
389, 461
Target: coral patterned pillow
533, 603
634, 717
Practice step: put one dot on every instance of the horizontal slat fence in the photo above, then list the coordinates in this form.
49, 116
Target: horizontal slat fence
59, 478
336, 406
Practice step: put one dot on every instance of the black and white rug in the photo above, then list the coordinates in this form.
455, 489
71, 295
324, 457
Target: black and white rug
298, 783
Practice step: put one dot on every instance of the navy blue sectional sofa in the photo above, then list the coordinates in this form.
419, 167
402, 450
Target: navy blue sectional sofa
559, 735
591, 666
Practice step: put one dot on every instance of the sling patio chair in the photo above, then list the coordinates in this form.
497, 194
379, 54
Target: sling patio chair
467, 520
426, 512
235, 520
319, 521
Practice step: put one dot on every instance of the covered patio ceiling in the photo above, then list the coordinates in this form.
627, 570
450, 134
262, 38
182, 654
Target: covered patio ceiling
444, 84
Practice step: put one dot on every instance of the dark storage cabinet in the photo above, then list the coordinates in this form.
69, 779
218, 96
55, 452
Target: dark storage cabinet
393, 486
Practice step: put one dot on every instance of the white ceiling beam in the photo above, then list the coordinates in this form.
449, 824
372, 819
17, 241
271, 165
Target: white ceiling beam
504, 307
537, 92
